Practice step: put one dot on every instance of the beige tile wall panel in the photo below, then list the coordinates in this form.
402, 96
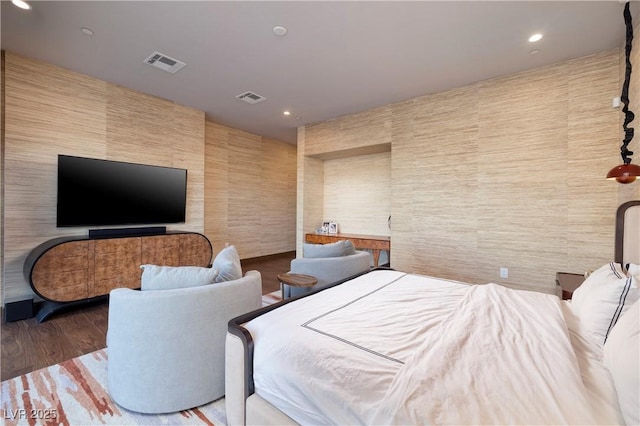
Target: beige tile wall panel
216, 185
51, 111
48, 111
278, 197
480, 175
136, 120
310, 192
301, 211
146, 129
189, 153
244, 172
357, 193
369, 128
443, 154
292, 202
402, 255
320, 138
314, 194
251, 192
522, 177
593, 148
354, 152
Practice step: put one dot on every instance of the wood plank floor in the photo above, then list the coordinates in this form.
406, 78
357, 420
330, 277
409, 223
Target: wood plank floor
27, 346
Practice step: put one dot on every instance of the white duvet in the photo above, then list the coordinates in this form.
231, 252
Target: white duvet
393, 348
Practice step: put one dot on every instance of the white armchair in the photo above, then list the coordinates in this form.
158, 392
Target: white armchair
166, 348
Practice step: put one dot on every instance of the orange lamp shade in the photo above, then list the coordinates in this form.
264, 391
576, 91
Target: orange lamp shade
624, 173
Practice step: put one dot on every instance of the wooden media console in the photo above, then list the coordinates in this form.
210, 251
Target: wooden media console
73, 270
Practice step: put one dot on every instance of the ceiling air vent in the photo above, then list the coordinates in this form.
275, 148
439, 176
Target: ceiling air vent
250, 97
164, 62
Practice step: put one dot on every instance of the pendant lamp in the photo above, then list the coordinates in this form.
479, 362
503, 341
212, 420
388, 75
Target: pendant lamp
626, 172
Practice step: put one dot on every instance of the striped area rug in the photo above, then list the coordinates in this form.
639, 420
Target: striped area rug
75, 392
271, 298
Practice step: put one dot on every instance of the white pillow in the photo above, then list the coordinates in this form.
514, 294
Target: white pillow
602, 298
621, 356
156, 277
227, 262
634, 270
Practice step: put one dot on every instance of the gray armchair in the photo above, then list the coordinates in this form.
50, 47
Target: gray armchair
327, 270
166, 348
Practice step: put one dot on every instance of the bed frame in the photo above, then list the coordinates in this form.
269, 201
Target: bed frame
628, 223
244, 406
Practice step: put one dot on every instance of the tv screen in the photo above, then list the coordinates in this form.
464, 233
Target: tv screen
94, 192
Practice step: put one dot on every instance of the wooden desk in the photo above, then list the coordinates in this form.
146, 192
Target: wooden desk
375, 243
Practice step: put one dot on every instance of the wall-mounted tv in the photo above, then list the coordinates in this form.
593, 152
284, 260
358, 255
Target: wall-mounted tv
93, 192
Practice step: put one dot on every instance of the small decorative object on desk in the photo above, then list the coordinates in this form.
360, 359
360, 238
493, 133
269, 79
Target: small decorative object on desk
325, 226
333, 228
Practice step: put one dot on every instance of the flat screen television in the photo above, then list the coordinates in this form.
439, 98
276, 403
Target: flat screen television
93, 192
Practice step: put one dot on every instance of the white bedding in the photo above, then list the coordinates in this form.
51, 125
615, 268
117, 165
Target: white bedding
393, 348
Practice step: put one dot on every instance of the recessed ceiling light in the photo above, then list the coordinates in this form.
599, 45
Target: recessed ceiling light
86, 31
21, 4
535, 37
279, 30
286, 113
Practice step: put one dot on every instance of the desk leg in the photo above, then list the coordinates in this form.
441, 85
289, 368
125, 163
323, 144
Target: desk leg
376, 257
282, 290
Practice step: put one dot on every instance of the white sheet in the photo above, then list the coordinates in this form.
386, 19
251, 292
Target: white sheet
392, 348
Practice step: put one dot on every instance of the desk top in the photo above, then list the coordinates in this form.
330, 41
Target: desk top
353, 236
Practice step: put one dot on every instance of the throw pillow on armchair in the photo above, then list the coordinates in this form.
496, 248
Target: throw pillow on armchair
156, 277
227, 263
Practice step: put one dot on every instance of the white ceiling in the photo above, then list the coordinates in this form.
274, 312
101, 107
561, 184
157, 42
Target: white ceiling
337, 58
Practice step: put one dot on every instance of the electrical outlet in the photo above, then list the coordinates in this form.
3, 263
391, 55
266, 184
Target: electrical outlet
504, 272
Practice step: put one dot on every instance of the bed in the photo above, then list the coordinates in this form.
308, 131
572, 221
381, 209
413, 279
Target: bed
388, 347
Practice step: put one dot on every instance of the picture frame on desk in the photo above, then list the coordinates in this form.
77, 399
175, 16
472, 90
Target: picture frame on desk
325, 226
333, 228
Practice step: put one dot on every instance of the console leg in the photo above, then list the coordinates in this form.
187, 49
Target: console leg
49, 307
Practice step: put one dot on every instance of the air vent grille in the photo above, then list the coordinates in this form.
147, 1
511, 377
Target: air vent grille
164, 62
251, 97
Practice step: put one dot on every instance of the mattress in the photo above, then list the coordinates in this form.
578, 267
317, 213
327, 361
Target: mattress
396, 348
